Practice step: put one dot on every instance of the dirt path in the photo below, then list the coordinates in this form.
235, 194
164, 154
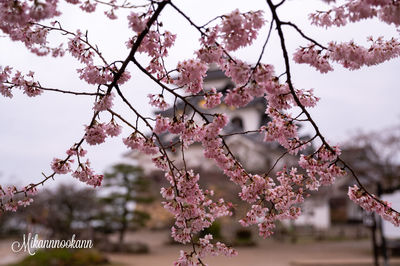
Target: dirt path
268, 252
6, 254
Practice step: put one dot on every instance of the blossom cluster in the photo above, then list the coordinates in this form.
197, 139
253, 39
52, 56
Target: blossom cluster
10, 81
83, 172
78, 49
86, 175
154, 44
158, 101
97, 133
274, 202
88, 6
239, 30
17, 18
137, 22
22, 12
349, 55
321, 168
245, 27
9, 201
192, 208
213, 98
369, 203
314, 57
205, 248
192, 73
141, 143
356, 10
105, 102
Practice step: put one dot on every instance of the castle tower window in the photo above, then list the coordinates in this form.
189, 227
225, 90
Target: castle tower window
237, 124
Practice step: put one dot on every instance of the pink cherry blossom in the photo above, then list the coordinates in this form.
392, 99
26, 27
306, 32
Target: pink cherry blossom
137, 22
86, 175
61, 167
104, 103
191, 75
238, 71
95, 134
213, 98
238, 97
162, 124
113, 129
88, 6
240, 30
158, 101
369, 203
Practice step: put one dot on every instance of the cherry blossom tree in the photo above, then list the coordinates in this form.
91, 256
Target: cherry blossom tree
270, 198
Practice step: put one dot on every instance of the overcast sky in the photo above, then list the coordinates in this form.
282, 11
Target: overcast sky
34, 130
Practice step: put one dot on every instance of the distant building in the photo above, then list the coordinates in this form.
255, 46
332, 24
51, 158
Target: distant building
255, 155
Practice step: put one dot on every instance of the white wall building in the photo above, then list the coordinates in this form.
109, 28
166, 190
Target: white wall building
255, 155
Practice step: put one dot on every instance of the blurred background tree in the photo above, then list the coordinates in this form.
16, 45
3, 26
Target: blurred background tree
127, 191
58, 214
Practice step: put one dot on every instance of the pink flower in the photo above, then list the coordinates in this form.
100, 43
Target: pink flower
95, 180
315, 58
11, 206
79, 49
307, 97
238, 70
191, 133
191, 75
134, 141
160, 162
61, 167
370, 203
263, 73
158, 101
240, 30
96, 75
85, 174
10, 192
104, 103
5, 91
88, 6
238, 97
111, 14
210, 54
137, 22
26, 83
156, 45
25, 202
95, 134
168, 194
176, 126
30, 191
162, 124
213, 99
149, 147
113, 129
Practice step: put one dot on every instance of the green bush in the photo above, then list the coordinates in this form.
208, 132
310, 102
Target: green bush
64, 257
244, 237
243, 234
214, 230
